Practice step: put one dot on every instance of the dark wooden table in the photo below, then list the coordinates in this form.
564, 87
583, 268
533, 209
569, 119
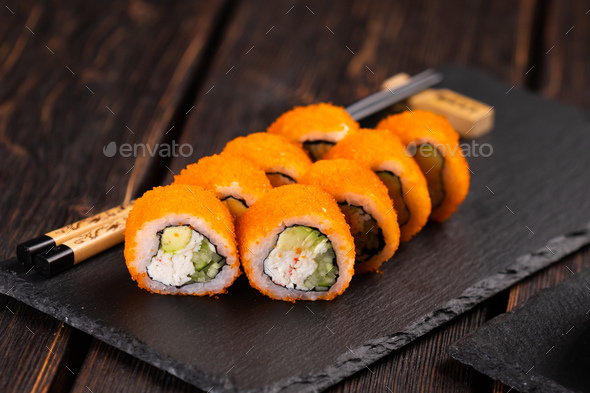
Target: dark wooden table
76, 76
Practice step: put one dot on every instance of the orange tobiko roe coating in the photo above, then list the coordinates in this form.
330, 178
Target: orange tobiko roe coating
177, 199
302, 120
294, 200
219, 171
426, 127
382, 150
272, 153
341, 178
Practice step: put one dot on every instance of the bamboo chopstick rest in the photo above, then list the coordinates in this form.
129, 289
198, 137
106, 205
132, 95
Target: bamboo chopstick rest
469, 117
80, 248
26, 252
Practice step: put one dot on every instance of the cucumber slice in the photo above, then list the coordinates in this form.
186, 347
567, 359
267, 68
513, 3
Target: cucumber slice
317, 149
394, 187
326, 273
212, 270
236, 206
199, 262
175, 238
432, 162
293, 237
327, 280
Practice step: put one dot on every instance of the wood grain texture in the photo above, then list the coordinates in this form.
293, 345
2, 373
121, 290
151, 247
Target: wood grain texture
425, 364
108, 369
33, 347
566, 53
73, 78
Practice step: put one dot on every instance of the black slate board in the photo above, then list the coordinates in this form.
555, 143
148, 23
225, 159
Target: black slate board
541, 346
244, 341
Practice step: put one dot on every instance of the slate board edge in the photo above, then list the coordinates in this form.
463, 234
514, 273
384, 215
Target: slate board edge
347, 364
509, 373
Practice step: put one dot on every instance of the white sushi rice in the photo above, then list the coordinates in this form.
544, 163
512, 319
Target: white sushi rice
235, 190
290, 268
148, 243
332, 136
175, 268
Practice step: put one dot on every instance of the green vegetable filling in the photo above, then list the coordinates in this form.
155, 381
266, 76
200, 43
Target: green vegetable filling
207, 262
303, 240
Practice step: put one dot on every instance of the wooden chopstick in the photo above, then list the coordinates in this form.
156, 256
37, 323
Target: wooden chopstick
81, 247
26, 251
387, 97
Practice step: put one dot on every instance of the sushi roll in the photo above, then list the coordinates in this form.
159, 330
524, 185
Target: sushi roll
383, 152
282, 160
318, 127
236, 181
179, 240
366, 205
296, 245
435, 147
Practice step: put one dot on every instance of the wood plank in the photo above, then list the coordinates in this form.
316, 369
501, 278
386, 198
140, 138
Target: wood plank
108, 367
34, 347
425, 364
73, 79
564, 63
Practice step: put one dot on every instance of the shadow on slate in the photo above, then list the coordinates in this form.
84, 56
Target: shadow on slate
541, 346
243, 341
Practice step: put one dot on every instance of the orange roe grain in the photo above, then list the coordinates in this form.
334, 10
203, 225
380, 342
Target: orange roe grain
273, 153
302, 122
226, 175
